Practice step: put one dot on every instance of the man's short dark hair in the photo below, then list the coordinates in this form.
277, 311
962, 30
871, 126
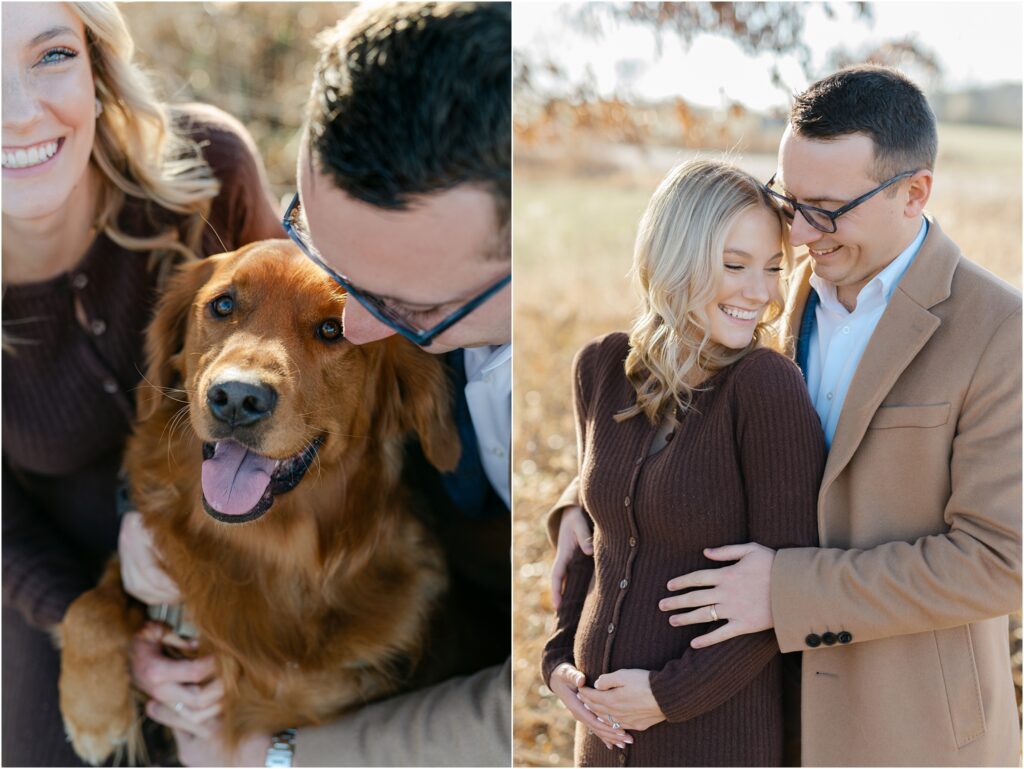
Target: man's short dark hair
879, 102
414, 98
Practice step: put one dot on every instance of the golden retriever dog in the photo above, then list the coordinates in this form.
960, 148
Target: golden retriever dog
267, 461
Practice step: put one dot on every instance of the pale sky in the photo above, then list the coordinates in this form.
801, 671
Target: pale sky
976, 43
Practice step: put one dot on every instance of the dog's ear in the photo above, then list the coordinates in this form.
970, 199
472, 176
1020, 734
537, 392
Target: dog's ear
165, 336
415, 395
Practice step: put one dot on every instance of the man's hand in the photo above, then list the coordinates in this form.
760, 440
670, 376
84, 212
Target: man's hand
740, 593
573, 532
566, 681
624, 698
184, 694
141, 574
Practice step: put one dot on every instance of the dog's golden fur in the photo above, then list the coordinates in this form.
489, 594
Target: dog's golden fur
322, 603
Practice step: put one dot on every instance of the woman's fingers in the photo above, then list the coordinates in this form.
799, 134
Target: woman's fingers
564, 684
141, 574
600, 701
151, 668
195, 697
202, 723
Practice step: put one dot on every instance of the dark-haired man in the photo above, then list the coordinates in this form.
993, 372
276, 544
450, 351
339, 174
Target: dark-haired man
404, 178
405, 198
912, 355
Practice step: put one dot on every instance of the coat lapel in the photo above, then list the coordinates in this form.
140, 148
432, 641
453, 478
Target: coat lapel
796, 303
903, 330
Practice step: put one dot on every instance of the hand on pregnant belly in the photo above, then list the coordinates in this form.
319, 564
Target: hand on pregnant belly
624, 698
565, 682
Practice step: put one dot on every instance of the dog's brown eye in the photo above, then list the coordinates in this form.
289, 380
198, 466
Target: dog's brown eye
330, 330
222, 306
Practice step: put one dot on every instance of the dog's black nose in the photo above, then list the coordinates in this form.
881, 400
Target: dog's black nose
241, 403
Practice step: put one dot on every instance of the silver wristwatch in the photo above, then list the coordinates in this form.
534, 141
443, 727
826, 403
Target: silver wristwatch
282, 748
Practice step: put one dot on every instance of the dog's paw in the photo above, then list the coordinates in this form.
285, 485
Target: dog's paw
96, 699
94, 743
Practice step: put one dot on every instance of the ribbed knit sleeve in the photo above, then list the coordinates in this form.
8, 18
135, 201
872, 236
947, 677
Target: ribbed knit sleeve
580, 570
782, 456
42, 572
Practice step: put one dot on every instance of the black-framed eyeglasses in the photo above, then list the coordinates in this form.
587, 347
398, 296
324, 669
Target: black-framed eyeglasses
820, 218
378, 306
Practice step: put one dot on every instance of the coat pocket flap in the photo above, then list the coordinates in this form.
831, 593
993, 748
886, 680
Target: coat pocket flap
933, 415
963, 688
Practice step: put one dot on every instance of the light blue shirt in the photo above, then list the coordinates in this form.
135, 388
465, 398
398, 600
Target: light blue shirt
489, 397
839, 337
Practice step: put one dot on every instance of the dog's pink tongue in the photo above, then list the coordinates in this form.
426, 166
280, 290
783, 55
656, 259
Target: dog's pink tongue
235, 479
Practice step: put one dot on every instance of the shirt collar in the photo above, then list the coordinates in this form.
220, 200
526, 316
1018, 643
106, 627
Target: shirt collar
481, 360
885, 281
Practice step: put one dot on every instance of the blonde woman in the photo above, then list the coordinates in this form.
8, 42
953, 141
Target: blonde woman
691, 434
104, 188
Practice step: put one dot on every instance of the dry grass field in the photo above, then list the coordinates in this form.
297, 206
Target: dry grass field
575, 214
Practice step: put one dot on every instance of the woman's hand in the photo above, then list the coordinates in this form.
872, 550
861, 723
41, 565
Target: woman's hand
184, 694
565, 682
624, 698
573, 532
141, 574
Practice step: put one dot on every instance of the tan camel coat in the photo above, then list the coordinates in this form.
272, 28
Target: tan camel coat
901, 613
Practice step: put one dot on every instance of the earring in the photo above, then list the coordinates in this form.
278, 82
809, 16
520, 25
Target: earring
99, 107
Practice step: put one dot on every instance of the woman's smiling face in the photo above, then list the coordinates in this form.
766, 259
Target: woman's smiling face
49, 115
752, 267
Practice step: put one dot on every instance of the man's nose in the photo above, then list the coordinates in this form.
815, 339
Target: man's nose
801, 232
359, 326
21, 107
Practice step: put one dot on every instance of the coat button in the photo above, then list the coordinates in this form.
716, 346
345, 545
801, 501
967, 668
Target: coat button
98, 326
627, 502
624, 584
611, 628
845, 637
813, 640
632, 541
80, 281
109, 385
829, 639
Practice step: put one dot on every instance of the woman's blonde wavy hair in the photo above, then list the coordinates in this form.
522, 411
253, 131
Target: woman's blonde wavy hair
677, 269
138, 149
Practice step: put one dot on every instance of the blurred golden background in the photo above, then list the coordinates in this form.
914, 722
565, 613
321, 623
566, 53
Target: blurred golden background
253, 60
588, 158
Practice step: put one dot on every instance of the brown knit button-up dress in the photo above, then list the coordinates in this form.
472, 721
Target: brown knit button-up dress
744, 465
68, 401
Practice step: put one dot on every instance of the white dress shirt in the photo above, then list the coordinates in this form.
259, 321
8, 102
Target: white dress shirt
839, 337
489, 397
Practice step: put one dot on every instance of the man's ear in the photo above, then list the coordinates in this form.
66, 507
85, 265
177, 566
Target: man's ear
919, 189
165, 336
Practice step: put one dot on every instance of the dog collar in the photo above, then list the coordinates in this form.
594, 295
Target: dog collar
174, 615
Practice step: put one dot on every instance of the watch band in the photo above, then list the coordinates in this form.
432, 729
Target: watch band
282, 748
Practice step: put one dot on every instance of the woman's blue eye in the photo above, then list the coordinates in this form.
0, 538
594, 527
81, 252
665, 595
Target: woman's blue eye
222, 306
57, 55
